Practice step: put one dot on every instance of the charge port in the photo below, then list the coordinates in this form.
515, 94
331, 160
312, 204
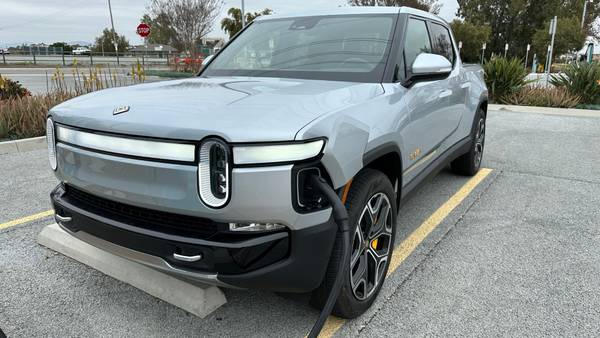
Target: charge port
308, 198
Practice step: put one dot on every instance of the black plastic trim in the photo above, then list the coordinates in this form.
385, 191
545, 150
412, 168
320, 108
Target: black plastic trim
380, 151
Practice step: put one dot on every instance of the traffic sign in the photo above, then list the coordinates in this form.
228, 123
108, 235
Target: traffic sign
143, 30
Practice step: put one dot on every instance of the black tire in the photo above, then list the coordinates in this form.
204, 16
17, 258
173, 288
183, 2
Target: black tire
469, 163
368, 186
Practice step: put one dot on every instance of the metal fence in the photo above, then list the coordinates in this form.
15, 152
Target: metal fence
48, 57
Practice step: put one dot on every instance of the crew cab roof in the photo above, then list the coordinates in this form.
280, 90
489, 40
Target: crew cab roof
354, 10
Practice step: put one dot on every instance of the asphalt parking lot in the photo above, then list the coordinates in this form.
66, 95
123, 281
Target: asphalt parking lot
516, 254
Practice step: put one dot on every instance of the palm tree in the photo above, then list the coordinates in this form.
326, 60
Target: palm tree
233, 23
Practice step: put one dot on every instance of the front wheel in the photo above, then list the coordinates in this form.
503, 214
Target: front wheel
372, 211
469, 163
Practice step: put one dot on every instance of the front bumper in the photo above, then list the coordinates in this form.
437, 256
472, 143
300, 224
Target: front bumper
285, 261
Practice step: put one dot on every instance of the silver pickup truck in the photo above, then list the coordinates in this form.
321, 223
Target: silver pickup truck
211, 178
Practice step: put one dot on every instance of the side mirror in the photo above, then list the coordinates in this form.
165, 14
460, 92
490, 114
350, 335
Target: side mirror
428, 67
207, 60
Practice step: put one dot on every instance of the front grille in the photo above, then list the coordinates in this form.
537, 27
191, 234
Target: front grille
164, 222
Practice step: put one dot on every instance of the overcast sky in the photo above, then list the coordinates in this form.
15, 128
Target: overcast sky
34, 21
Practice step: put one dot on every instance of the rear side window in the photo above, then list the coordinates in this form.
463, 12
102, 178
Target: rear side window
441, 42
417, 41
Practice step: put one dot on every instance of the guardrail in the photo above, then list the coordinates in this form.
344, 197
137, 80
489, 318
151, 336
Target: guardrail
127, 58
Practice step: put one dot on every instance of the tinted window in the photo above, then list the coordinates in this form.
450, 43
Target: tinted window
417, 41
352, 47
442, 44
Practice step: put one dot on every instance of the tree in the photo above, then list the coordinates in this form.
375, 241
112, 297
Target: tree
516, 21
160, 30
190, 20
472, 37
426, 5
569, 37
66, 48
106, 42
233, 23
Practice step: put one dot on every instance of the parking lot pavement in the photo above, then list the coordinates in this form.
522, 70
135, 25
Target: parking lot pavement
518, 256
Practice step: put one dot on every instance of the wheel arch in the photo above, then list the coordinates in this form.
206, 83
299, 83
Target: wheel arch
387, 158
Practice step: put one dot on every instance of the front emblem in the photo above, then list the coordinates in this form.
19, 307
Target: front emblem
121, 110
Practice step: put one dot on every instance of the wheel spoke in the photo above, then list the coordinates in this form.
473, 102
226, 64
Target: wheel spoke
371, 246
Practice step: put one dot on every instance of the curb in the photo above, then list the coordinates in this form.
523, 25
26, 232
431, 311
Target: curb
24, 145
195, 298
545, 110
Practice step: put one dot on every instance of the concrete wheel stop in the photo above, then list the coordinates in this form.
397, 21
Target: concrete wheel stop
197, 299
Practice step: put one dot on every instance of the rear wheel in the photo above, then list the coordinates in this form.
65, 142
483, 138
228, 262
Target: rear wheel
468, 164
371, 207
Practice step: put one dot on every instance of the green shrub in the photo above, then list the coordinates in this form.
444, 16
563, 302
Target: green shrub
581, 79
504, 77
539, 96
23, 117
10, 89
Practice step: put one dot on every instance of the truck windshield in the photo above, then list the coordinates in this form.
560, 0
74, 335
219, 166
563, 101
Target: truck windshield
339, 48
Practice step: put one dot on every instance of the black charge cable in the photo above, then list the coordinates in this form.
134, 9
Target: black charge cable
340, 216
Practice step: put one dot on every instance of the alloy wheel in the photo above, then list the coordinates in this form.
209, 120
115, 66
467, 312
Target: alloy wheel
479, 142
371, 246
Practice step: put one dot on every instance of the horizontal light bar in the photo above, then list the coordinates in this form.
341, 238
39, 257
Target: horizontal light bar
277, 153
127, 146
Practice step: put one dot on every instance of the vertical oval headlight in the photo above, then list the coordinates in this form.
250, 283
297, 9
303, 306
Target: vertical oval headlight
50, 138
213, 173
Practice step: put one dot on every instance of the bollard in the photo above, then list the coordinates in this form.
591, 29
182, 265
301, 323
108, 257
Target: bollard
63, 59
34, 60
91, 59
4, 58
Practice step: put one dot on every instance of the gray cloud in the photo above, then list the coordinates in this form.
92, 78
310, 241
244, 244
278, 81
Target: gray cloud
83, 20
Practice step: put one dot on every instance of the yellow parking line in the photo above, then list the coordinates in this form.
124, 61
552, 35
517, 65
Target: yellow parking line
26, 219
401, 252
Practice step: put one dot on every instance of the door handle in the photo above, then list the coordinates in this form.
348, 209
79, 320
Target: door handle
465, 85
189, 259
445, 93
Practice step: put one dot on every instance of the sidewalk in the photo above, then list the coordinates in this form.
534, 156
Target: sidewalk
545, 110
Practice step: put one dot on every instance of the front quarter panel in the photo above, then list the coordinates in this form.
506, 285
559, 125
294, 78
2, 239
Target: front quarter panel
358, 129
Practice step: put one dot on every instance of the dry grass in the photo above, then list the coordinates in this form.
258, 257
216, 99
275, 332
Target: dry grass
26, 117
23, 117
557, 97
87, 80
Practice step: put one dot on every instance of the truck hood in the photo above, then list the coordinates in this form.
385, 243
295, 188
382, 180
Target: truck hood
238, 109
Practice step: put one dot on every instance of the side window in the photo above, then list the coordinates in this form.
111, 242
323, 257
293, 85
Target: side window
417, 41
442, 44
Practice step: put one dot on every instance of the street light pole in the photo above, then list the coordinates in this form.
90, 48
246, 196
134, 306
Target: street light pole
114, 32
243, 15
553, 25
584, 12
527, 55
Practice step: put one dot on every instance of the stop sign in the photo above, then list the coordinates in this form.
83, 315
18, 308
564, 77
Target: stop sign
143, 30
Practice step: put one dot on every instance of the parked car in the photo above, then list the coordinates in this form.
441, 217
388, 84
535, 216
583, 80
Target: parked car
213, 178
81, 51
4, 52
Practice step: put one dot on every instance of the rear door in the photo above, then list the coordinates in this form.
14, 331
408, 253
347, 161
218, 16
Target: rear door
442, 44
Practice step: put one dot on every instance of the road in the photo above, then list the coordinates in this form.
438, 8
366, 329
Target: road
39, 80
517, 255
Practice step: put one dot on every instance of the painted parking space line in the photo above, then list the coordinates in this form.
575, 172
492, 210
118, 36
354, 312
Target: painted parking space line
403, 251
26, 219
